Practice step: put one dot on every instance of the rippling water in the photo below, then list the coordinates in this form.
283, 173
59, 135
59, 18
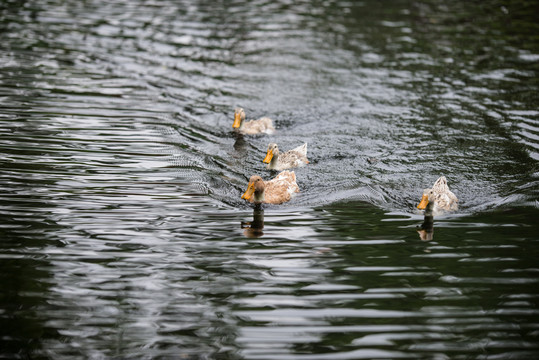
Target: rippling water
123, 232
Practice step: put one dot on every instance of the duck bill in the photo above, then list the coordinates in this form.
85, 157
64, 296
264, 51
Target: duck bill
424, 202
249, 192
237, 121
268, 157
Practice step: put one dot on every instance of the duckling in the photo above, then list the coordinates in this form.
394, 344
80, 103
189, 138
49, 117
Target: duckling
438, 199
261, 126
275, 191
292, 158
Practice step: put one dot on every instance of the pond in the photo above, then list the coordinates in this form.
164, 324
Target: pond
123, 232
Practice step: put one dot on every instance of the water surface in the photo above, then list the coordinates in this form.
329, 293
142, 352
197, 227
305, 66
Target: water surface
123, 232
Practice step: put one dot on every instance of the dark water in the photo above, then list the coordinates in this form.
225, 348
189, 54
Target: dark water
123, 234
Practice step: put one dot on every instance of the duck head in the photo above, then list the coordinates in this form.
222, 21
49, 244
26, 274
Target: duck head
239, 116
425, 199
255, 190
273, 151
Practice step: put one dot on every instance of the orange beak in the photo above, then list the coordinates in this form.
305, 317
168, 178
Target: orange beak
249, 192
268, 157
424, 202
237, 120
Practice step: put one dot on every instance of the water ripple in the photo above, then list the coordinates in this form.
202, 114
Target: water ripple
123, 231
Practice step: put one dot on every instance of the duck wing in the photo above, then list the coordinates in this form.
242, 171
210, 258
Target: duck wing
446, 201
281, 188
261, 126
301, 150
444, 198
294, 158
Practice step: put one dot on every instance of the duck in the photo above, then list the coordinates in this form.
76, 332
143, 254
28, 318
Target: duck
276, 191
263, 125
438, 199
292, 158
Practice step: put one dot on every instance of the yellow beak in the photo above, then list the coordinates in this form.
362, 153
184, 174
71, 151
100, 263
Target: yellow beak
268, 157
424, 202
237, 120
249, 192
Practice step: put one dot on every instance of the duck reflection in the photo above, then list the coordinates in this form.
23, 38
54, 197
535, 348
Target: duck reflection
426, 229
253, 229
239, 144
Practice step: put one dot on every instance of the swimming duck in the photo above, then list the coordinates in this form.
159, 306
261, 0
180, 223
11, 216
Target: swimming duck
438, 199
275, 191
291, 158
261, 126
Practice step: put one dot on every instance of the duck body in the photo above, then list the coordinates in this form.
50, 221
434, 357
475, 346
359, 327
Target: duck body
290, 159
276, 191
438, 199
261, 126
